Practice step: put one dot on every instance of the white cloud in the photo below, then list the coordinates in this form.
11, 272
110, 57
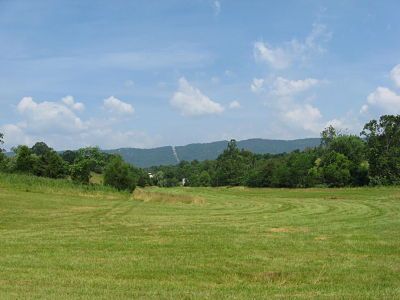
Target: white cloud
192, 102
395, 75
234, 105
281, 57
217, 7
283, 87
14, 135
70, 102
114, 105
305, 116
275, 57
57, 124
48, 116
384, 100
346, 124
256, 85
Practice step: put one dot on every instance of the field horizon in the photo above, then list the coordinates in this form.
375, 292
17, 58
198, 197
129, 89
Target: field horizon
64, 241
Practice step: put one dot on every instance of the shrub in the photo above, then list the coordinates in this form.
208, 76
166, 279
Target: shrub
119, 175
80, 171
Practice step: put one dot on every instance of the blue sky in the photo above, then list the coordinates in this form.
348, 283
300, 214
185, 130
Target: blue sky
152, 73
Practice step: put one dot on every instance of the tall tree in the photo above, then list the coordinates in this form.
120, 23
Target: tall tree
383, 139
230, 167
40, 148
25, 160
50, 164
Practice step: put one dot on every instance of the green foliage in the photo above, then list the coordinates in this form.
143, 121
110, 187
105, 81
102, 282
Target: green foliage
120, 175
231, 166
40, 148
51, 165
144, 179
204, 179
335, 169
80, 171
25, 160
69, 156
383, 139
97, 159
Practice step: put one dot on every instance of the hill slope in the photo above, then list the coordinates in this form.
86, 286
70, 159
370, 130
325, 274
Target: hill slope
165, 155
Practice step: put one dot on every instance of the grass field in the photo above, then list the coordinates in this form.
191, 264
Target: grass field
61, 241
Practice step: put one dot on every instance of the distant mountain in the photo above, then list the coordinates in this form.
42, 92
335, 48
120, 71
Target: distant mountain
170, 155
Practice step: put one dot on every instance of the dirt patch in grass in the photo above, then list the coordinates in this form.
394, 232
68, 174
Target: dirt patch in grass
147, 196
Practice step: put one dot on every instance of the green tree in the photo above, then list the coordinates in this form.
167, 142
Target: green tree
80, 171
97, 159
383, 140
230, 167
335, 169
69, 156
328, 135
355, 149
40, 148
204, 179
25, 160
118, 174
50, 164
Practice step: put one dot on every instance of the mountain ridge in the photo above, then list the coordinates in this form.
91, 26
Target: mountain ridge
170, 155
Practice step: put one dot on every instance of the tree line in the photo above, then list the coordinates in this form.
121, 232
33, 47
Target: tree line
372, 158
79, 165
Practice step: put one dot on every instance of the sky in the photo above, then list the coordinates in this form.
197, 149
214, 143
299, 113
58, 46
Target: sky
173, 72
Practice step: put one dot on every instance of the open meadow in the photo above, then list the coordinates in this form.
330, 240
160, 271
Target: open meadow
58, 240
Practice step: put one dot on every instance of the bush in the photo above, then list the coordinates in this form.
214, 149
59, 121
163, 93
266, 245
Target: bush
80, 171
119, 175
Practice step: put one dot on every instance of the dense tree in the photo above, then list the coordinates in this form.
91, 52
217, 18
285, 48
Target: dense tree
50, 164
328, 135
25, 160
40, 148
69, 156
230, 167
119, 174
204, 179
80, 171
354, 148
383, 139
335, 169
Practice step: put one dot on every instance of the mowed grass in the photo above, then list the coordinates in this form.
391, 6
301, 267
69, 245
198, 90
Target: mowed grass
60, 241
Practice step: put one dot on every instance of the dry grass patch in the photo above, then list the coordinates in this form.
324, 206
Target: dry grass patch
147, 196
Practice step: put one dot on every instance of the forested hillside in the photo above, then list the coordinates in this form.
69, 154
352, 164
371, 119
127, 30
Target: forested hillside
207, 151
